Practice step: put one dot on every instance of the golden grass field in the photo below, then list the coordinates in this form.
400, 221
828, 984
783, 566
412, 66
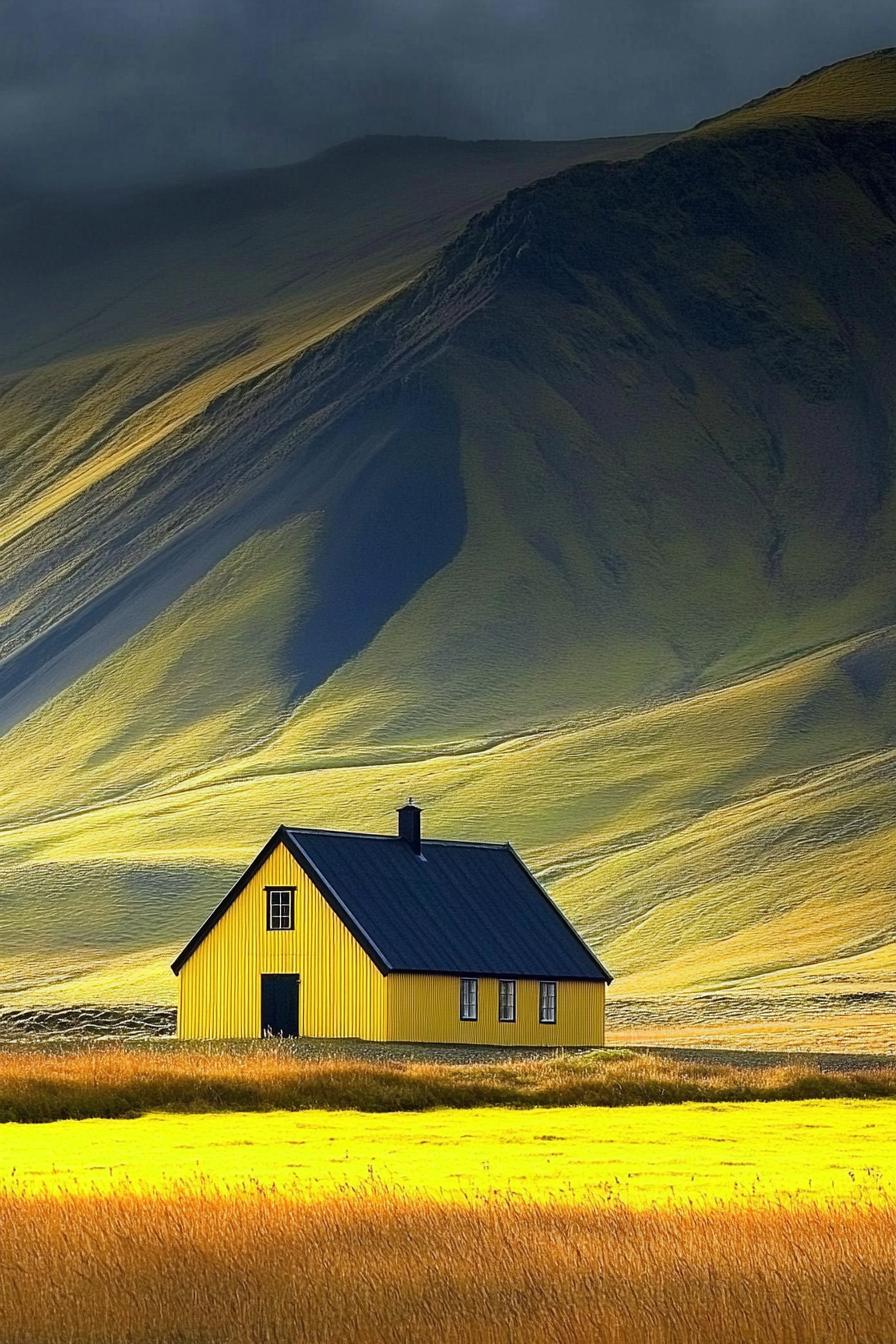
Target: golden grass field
694, 1153
207, 1268
730, 1222
75, 1082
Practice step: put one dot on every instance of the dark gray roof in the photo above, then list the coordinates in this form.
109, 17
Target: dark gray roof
455, 909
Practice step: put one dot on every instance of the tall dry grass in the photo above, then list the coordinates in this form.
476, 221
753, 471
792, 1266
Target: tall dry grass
110, 1081
258, 1268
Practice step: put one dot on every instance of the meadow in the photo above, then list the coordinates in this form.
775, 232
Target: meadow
80, 1081
696, 1153
442, 1200
375, 1266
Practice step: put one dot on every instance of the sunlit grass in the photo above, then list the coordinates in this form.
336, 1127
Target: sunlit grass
860, 87
711, 848
778, 1022
693, 1153
73, 1082
372, 1266
211, 699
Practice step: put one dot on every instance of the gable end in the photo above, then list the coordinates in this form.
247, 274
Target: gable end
282, 837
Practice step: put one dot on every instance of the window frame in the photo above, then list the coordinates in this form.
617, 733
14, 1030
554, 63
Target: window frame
472, 998
270, 892
511, 1017
547, 1002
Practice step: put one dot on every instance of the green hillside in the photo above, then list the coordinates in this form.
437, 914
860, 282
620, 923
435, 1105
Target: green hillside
586, 536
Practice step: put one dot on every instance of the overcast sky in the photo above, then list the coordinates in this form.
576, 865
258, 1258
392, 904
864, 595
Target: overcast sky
119, 90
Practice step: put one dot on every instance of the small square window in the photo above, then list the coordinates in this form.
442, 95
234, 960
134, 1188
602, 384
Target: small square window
547, 1002
469, 1000
506, 1000
281, 909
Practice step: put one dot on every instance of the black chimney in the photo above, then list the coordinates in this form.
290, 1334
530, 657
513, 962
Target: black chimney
409, 825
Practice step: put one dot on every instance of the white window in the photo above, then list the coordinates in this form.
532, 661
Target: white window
506, 1000
281, 908
547, 1001
469, 1000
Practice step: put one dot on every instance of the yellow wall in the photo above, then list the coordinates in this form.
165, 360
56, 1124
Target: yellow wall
341, 992
427, 1008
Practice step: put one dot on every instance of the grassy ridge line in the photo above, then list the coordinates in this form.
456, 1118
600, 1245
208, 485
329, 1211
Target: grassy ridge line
854, 89
129, 1269
111, 1082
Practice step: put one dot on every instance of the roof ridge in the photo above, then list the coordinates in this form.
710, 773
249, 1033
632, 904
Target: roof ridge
326, 830
471, 844
384, 835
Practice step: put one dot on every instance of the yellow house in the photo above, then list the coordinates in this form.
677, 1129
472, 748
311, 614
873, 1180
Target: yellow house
390, 938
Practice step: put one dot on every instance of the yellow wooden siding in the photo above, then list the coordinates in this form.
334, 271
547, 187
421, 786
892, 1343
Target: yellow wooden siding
341, 993
427, 1008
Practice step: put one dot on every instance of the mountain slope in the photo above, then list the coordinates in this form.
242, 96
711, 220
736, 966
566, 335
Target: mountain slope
84, 273
127, 317
587, 537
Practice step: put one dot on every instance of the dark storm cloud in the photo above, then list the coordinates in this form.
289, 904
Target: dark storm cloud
105, 90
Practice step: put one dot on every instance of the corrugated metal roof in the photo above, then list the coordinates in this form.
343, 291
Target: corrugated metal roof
455, 908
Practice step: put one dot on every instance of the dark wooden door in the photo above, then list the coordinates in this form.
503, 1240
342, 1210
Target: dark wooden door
279, 1005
